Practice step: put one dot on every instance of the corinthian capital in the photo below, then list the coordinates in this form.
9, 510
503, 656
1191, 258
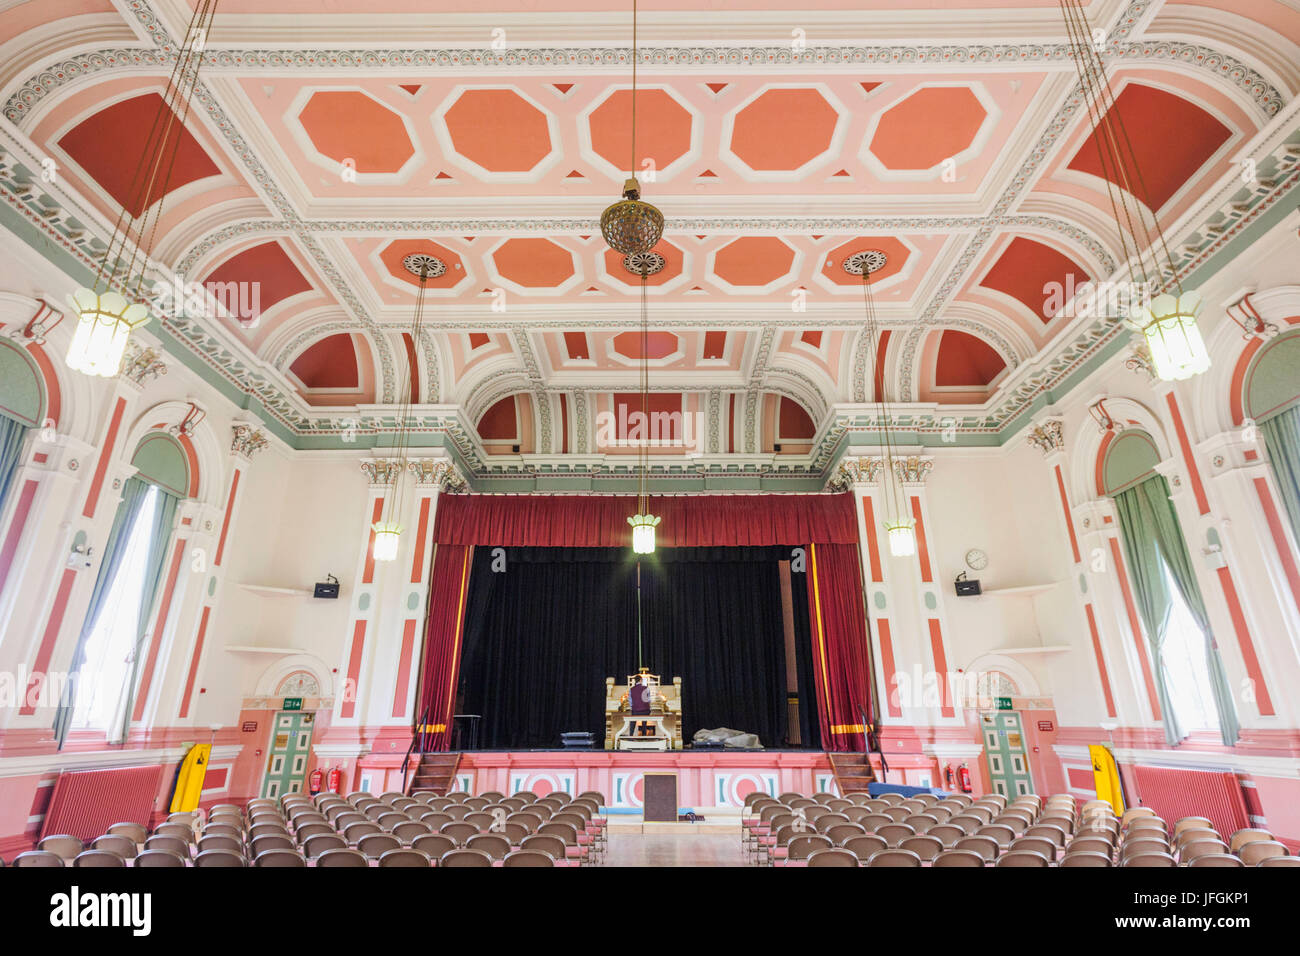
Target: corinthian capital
913, 469
438, 473
1048, 437
381, 471
247, 440
855, 471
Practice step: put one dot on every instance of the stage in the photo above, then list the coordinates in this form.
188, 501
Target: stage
706, 779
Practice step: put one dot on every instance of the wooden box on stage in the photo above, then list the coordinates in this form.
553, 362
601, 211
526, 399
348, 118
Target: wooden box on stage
665, 715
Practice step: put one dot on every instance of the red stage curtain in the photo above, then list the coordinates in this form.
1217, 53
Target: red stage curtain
840, 650
442, 641
600, 521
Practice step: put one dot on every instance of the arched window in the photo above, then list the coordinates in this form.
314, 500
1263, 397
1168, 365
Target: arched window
106, 665
1271, 398
1191, 685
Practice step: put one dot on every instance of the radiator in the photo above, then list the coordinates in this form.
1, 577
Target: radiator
86, 803
1174, 794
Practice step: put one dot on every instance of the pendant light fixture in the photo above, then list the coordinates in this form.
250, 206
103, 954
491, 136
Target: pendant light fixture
900, 529
1166, 317
388, 530
112, 308
633, 227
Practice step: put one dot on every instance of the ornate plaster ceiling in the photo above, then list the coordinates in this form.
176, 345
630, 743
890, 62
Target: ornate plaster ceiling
329, 141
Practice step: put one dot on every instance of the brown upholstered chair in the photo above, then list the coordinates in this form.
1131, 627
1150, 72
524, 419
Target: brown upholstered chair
98, 859
835, 857
162, 858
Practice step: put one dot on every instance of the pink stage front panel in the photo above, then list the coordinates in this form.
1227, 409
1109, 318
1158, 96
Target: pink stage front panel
704, 779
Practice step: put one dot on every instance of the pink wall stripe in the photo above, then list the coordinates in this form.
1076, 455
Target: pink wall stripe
1065, 509
1245, 642
1198, 489
1275, 530
404, 668
105, 456
922, 545
887, 660
194, 662
22, 510
354, 669
225, 521
1101, 661
422, 532
873, 542
160, 624
368, 574
941, 666
48, 639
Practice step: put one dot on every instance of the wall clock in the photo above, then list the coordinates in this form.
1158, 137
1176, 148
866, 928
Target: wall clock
976, 559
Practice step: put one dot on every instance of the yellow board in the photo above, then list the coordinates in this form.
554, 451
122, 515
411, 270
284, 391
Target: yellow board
1106, 776
189, 783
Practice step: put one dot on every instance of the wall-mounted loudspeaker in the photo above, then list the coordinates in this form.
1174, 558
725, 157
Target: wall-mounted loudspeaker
329, 588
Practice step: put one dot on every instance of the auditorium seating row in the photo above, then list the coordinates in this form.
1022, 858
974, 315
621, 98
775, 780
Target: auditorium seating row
958, 830
391, 830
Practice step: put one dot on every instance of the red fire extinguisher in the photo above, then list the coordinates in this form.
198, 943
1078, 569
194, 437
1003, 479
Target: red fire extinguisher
314, 781
963, 777
335, 778
947, 774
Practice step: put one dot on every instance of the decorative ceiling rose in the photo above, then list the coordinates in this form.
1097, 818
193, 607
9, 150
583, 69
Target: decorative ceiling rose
632, 226
421, 264
644, 263
872, 260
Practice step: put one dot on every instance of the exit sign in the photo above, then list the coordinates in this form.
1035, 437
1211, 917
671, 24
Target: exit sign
292, 703
1004, 703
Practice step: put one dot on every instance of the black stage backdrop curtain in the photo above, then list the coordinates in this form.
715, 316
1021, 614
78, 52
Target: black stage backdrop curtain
544, 631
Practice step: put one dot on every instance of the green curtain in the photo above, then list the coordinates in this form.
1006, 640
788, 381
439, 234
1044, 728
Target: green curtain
160, 536
1282, 438
1136, 528
1147, 506
12, 433
133, 494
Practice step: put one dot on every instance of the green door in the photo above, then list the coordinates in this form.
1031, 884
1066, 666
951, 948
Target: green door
1004, 749
286, 764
